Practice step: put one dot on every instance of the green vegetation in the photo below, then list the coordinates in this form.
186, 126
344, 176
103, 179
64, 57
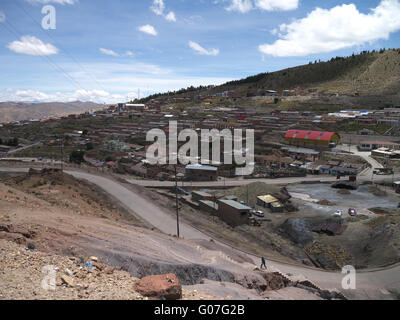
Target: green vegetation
11, 142
76, 156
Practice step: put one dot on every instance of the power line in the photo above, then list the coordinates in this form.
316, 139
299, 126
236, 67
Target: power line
60, 46
12, 29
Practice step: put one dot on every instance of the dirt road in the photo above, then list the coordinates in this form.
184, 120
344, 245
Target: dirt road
372, 284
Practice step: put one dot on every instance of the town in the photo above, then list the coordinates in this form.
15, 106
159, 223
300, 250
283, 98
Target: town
219, 151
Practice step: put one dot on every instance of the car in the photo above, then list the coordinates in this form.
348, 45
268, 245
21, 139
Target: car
258, 213
352, 212
338, 213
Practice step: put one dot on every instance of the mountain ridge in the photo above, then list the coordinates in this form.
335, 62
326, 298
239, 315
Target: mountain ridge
367, 73
17, 111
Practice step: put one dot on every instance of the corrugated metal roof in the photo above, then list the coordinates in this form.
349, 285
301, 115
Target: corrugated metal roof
310, 135
200, 167
268, 198
235, 204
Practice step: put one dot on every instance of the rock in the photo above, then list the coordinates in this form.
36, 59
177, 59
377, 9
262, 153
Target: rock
298, 230
162, 287
276, 281
69, 272
109, 270
67, 280
92, 258
99, 266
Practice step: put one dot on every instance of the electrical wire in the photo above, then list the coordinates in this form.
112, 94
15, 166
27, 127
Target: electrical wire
60, 46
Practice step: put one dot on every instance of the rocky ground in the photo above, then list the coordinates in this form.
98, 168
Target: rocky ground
23, 272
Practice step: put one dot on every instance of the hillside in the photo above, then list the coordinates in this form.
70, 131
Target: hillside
50, 218
16, 111
368, 73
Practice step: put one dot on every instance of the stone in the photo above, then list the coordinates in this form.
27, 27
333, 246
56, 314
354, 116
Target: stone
99, 266
162, 287
92, 258
69, 272
67, 280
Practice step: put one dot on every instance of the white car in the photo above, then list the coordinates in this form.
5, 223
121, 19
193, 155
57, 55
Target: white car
338, 213
259, 213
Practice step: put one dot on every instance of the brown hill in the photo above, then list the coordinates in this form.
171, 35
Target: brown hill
16, 111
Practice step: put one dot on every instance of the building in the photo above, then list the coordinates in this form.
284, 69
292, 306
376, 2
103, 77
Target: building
208, 206
233, 213
372, 145
199, 195
270, 202
303, 154
312, 139
201, 173
385, 153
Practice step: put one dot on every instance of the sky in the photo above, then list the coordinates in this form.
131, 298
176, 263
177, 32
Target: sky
111, 51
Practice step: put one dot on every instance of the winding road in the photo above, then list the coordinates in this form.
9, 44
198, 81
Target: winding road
371, 284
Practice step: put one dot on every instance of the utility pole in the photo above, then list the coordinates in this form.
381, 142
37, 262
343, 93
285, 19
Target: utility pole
62, 155
177, 202
247, 203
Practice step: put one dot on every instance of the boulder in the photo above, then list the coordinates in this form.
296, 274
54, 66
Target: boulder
162, 287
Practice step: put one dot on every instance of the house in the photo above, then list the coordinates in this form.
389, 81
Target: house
198, 195
372, 145
198, 172
303, 154
208, 206
270, 202
233, 213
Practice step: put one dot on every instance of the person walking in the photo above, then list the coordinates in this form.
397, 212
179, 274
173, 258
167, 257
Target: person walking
263, 263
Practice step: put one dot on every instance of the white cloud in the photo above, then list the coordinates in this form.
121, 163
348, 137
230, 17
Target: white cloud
340, 27
32, 46
109, 52
171, 17
98, 96
158, 7
148, 29
2, 17
53, 1
281, 5
200, 50
244, 6
129, 53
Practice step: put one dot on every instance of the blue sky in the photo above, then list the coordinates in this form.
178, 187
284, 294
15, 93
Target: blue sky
105, 51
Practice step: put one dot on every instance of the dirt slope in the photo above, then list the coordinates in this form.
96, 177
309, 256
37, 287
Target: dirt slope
63, 236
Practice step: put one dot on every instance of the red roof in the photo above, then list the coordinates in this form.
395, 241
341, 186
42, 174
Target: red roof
310, 135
